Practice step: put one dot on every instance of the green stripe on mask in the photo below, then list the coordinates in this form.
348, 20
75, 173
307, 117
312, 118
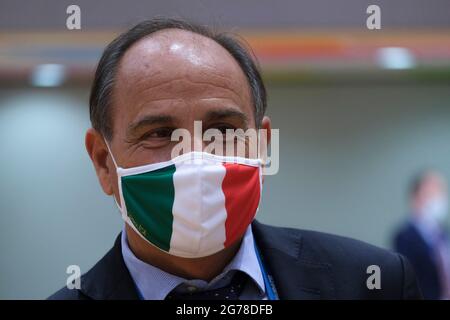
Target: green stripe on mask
149, 201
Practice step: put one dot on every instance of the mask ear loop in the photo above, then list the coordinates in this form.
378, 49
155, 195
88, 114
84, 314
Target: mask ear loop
266, 161
111, 154
122, 211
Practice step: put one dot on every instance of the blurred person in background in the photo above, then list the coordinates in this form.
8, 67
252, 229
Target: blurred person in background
423, 238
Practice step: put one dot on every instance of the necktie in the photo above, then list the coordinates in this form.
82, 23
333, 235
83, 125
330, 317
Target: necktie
230, 292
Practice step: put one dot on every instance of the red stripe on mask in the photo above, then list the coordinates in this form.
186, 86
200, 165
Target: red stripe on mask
241, 186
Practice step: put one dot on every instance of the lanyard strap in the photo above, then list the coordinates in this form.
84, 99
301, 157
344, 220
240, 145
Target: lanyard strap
269, 285
139, 293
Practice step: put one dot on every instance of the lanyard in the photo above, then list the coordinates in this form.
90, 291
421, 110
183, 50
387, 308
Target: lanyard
269, 285
139, 293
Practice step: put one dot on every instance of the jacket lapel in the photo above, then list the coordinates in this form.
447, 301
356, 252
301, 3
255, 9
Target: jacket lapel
297, 271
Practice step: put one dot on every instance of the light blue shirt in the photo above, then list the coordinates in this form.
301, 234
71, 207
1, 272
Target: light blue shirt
155, 284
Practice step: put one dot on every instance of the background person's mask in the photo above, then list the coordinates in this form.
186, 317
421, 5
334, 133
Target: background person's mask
193, 205
436, 209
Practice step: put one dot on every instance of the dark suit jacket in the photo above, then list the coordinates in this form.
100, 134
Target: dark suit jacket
411, 244
303, 264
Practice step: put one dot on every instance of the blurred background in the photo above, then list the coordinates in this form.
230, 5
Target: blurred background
359, 111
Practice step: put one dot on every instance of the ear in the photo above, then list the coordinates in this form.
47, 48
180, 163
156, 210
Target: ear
98, 152
267, 125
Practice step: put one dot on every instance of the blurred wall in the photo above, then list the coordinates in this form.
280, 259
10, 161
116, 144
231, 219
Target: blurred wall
347, 153
50, 14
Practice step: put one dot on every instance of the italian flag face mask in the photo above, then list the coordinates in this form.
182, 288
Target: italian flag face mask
193, 205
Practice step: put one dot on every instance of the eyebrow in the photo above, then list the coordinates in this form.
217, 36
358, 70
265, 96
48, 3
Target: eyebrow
227, 113
149, 120
161, 119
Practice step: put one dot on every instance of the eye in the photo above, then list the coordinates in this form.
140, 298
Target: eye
158, 133
222, 127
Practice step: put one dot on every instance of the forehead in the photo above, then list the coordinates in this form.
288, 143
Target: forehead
173, 64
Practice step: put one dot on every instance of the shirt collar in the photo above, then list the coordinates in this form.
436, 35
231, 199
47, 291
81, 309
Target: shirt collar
155, 284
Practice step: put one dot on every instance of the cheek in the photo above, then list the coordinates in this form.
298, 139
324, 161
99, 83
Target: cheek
142, 156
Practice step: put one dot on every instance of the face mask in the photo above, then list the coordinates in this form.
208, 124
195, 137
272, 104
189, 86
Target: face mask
193, 205
436, 209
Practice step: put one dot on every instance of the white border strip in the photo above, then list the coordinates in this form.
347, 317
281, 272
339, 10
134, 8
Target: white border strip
194, 155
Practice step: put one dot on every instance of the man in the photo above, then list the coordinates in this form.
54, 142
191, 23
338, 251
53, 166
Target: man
423, 240
164, 75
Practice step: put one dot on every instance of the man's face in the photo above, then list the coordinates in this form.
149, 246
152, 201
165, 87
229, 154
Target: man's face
165, 82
